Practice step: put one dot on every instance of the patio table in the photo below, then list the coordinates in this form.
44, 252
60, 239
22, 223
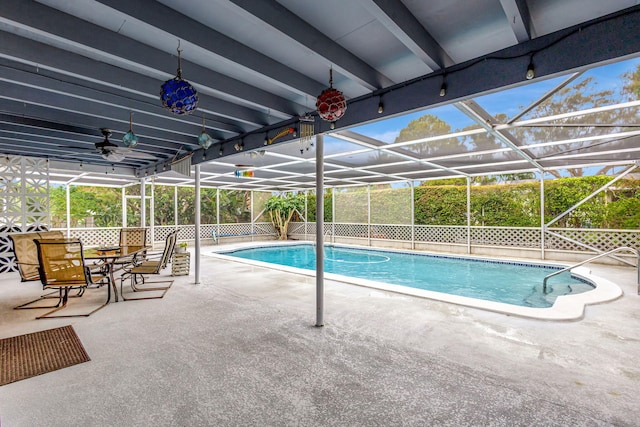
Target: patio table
108, 256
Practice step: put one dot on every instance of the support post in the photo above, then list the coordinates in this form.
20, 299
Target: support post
217, 215
413, 216
306, 213
542, 225
124, 208
197, 226
468, 215
152, 213
319, 230
68, 211
175, 206
333, 214
369, 215
143, 202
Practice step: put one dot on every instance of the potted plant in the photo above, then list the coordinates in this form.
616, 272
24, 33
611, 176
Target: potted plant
181, 247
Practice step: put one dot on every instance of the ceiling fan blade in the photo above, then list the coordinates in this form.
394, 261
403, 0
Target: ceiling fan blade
113, 156
139, 155
130, 153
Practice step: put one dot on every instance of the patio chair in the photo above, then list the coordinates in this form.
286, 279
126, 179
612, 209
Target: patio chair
137, 273
132, 237
62, 267
26, 258
24, 250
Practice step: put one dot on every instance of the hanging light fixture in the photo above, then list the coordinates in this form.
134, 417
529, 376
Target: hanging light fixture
130, 139
331, 104
204, 139
531, 71
177, 95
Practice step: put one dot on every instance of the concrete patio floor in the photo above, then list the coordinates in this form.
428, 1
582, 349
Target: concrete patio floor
241, 349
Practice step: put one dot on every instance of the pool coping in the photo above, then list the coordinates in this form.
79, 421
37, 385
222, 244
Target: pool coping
566, 307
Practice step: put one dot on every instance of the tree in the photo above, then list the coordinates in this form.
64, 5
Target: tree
581, 95
235, 206
328, 206
281, 210
102, 204
426, 126
632, 87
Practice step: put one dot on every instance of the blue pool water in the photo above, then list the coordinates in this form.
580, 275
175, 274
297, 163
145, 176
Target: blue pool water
507, 282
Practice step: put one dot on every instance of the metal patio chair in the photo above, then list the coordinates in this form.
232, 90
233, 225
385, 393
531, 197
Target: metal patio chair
26, 258
137, 273
132, 237
62, 267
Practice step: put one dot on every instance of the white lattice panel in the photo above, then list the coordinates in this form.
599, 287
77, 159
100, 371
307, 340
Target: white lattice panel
603, 240
440, 234
507, 236
351, 230
95, 236
265, 229
296, 228
391, 232
160, 233
228, 230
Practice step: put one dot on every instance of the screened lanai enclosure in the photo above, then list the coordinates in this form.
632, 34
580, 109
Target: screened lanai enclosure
517, 136
543, 170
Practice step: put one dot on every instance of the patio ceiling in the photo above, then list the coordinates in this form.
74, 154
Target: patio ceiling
68, 69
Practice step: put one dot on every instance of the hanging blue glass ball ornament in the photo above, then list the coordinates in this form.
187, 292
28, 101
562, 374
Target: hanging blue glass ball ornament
205, 140
130, 139
178, 96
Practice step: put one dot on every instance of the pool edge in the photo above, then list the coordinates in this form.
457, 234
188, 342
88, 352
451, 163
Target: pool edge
565, 308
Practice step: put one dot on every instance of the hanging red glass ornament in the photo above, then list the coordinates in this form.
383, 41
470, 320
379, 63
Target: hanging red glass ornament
331, 104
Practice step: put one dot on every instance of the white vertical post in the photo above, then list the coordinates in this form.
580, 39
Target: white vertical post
143, 202
252, 218
306, 213
197, 225
319, 230
152, 213
124, 207
68, 211
542, 223
175, 206
468, 215
333, 214
369, 214
413, 217
218, 213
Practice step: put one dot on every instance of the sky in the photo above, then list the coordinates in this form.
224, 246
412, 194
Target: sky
508, 101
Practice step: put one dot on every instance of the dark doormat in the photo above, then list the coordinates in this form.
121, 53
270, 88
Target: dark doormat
28, 355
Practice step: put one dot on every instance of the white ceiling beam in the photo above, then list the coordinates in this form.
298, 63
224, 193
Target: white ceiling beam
158, 15
344, 62
395, 16
519, 18
84, 38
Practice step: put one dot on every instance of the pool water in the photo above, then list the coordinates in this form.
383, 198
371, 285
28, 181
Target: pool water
506, 282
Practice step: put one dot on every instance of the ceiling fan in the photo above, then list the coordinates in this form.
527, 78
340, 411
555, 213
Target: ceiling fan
114, 153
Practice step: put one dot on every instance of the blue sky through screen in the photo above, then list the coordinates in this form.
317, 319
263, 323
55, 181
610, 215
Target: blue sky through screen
510, 101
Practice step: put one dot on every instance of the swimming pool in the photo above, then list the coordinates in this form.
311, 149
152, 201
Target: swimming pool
478, 282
